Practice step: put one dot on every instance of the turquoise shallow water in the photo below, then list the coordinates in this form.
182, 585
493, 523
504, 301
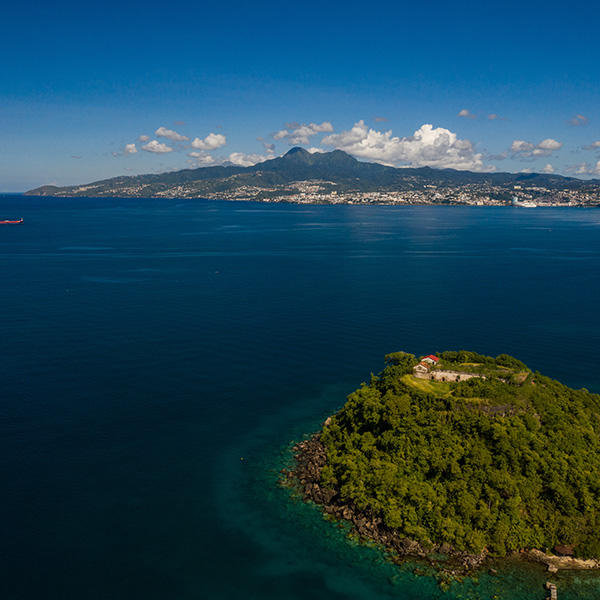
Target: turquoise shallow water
150, 346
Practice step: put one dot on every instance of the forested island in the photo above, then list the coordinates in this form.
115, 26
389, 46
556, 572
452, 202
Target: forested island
462, 457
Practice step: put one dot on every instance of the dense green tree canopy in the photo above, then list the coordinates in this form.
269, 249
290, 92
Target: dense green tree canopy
505, 462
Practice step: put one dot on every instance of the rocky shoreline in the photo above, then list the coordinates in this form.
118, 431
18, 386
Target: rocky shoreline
309, 459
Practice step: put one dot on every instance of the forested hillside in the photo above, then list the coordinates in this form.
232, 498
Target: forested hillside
501, 463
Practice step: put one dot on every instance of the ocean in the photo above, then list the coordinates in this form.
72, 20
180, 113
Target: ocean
160, 356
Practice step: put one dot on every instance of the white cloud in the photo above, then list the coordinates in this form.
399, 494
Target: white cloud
549, 145
501, 156
466, 114
270, 148
316, 150
548, 169
593, 146
144, 138
170, 134
578, 120
437, 147
520, 146
301, 133
523, 149
246, 160
157, 147
584, 169
130, 149
203, 159
211, 142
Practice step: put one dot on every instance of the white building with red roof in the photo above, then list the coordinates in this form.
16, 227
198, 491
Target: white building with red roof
431, 359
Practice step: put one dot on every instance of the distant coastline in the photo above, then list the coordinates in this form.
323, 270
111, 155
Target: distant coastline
300, 177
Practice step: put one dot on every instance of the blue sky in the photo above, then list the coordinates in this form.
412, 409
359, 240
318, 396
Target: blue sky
91, 92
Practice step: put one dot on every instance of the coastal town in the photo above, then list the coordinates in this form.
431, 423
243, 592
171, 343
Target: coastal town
299, 177
324, 192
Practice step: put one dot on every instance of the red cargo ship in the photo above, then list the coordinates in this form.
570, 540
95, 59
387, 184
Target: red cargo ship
11, 222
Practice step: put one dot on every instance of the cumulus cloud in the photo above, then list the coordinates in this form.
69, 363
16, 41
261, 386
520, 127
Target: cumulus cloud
523, 149
211, 142
578, 120
270, 148
501, 156
466, 114
549, 145
170, 134
548, 169
584, 169
157, 147
428, 146
144, 138
130, 149
301, 133
580, 169
203, 159
520, 146
593, 146
246, 160
316, 150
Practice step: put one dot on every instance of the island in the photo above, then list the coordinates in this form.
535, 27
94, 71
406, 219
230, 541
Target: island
461, 458
302, 177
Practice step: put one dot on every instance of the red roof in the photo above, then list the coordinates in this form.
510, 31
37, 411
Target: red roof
433, 358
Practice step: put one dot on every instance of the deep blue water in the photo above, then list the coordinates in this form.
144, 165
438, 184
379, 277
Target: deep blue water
159, 356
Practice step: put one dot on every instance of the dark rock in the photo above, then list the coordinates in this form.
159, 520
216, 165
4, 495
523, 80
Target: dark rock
563, 550
311, 456
445, 548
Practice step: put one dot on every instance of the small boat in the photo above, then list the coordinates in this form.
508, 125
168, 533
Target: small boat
7, 222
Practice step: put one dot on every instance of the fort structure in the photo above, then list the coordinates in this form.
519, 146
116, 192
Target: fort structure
426, 370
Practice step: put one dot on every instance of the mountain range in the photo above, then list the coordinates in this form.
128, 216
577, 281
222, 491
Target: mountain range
333, 171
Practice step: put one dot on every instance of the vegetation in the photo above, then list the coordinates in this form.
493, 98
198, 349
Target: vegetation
342, 172
502, 463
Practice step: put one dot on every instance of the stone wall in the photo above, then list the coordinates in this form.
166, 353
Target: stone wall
451, 375
438, 375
